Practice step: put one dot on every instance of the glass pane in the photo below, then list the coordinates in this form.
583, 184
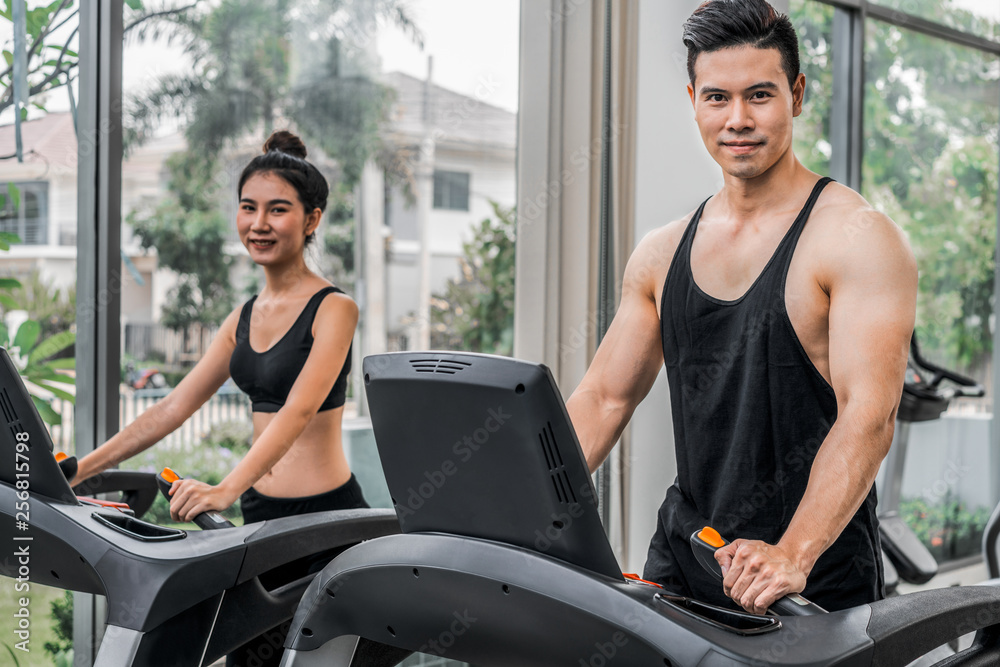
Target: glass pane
979, 17
930, 163
46, 296
813, 23
451, 190
354, 81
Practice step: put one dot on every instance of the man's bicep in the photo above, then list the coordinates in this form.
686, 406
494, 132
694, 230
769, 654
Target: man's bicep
872, 311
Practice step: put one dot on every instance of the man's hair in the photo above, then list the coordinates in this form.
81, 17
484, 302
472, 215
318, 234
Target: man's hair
721, 24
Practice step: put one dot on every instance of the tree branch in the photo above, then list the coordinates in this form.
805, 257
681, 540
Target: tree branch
51, 28
165, 12
6, 100
45, 33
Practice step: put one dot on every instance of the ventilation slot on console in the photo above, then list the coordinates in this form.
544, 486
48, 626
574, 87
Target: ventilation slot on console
446, 366
553, 458
9, 414
8, 407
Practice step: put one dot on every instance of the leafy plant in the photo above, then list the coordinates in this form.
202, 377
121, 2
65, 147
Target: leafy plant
53, 64
13, 657
33, 354
52, 307
62, 625
476, 311
949, 529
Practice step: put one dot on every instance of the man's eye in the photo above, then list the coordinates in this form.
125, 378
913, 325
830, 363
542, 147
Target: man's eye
760, 95
715, 98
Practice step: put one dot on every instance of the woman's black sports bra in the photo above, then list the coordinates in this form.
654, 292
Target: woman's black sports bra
267, 377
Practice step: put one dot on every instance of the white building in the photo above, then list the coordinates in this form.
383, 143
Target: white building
45, 217
466, 149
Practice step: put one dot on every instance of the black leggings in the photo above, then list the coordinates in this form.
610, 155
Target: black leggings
265, 650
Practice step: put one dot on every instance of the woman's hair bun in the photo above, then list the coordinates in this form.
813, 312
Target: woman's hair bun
285, 142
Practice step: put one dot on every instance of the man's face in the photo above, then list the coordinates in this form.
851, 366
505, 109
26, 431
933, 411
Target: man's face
744, 108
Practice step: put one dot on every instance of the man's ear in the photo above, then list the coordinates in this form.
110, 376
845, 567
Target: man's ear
691, 93
798, 94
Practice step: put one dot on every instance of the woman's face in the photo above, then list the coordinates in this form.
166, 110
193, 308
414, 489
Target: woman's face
271, 221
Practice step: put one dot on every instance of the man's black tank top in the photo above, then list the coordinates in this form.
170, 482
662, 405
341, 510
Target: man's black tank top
750, 411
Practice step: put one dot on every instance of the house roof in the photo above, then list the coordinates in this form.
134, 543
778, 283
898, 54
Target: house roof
51, 138
451, 116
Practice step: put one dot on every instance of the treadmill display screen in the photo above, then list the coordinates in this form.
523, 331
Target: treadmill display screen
482, 446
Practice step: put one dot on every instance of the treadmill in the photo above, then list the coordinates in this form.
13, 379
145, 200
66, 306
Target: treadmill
502, 559
174, 598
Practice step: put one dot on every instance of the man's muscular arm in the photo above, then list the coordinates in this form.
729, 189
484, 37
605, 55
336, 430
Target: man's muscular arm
871, 279
630, 355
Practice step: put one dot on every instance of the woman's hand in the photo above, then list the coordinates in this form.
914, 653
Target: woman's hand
189, 498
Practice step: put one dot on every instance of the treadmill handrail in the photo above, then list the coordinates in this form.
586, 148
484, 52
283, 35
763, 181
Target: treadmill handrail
138, 488
967, 386
284, 540
909, 626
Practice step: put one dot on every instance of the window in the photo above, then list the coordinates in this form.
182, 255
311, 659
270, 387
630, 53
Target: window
25, 211
451, 190
978, 17
930, 163
813, 23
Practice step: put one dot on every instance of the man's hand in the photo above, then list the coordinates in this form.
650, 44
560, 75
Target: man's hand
189, 498
756, 574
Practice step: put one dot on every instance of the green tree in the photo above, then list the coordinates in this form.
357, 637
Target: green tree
189, 234
930, 160
476, 310
338, 239
246, 76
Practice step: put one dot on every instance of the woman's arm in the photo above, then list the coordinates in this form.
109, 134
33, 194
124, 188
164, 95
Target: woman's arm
167, 414
333, 332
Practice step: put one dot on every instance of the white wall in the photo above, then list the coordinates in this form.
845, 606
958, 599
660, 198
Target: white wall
673, 174
489, 178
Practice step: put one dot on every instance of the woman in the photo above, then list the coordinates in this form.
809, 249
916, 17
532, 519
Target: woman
288, 348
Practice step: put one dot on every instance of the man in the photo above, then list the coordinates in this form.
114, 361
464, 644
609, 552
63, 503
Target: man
782, 309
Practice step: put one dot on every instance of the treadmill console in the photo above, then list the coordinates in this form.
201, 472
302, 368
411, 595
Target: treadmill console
25, 445
482, 446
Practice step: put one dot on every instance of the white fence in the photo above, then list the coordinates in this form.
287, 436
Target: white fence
225, 406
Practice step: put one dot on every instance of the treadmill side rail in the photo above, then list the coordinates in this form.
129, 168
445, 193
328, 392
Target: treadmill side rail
444, 595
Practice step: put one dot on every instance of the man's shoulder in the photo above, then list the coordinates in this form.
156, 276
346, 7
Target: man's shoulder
843, 212
664, 239
845, 229
651, 257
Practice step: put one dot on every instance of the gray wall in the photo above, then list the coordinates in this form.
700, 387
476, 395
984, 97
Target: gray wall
673, 174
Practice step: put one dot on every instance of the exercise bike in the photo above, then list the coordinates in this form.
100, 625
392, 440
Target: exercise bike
174, 597
502, 559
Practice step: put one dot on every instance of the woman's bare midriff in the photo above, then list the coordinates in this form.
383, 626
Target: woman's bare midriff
315, 463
